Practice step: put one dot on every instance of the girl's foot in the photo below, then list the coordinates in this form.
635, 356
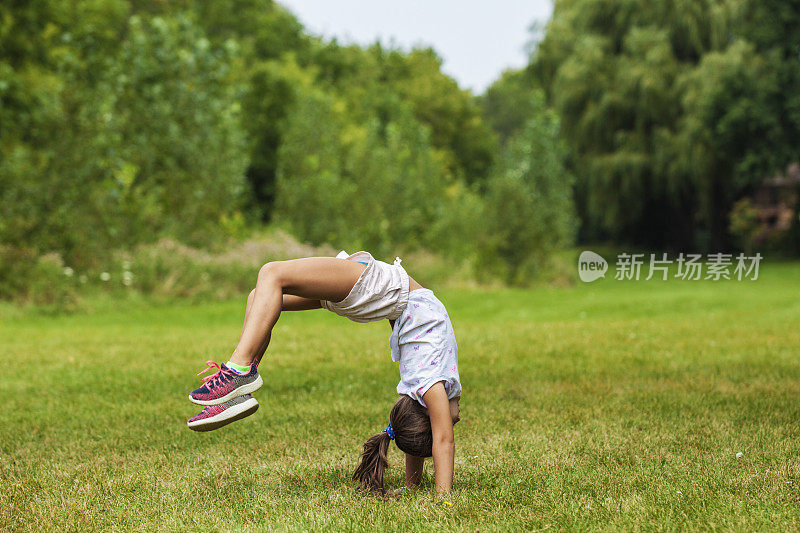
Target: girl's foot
225, 385
216, 416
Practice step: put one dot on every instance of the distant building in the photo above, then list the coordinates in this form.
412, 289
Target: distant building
776, 200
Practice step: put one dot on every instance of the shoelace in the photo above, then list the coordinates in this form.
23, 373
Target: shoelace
221, 373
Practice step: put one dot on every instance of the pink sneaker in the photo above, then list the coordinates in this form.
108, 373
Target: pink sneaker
225, 384
216, 416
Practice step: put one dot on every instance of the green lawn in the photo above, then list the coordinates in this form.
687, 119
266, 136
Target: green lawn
611, 405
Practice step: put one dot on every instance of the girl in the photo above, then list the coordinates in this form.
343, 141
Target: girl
362, 289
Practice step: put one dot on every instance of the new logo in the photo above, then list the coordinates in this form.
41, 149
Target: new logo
591, 266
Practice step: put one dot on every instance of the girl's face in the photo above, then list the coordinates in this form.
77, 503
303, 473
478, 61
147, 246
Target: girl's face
455, 411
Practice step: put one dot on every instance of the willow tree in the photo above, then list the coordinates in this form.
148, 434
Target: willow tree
669, 110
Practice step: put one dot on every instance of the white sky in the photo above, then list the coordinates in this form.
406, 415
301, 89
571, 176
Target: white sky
476, 39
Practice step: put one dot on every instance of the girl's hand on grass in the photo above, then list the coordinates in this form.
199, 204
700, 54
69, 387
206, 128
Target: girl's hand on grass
444, 448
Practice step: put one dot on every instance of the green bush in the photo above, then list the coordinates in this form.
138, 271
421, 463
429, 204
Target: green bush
744, 224
127, 129
43, 281
529, 207
177, 155
119, 146
378, 186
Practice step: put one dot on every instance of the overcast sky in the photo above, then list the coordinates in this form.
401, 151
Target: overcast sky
477, 39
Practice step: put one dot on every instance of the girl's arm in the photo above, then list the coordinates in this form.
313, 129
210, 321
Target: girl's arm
414, 470
444, 448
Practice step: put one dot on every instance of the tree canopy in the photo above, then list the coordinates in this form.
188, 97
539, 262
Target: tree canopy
672, 110
124, 121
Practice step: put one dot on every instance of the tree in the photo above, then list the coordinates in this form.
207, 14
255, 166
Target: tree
529, 207
376, 185
670, 112
507, 103
311, 193
729, 136
372, 80
119, 143
453, 114
268, 38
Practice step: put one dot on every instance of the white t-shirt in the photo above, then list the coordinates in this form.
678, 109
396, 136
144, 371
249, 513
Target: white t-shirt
424, 344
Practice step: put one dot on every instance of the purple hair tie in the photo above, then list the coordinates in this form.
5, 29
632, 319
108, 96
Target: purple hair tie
389, 431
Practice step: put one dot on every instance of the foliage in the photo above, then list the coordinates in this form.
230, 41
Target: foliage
168, 270
730, 136
270, 43
529, 210
127, 122
744, 223
43, 281
452, 115
269, 95
507, 103
672, 110
121, 149
177, 152
358, 186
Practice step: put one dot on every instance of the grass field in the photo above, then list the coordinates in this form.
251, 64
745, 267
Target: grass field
612, 405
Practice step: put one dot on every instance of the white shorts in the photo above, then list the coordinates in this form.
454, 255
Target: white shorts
380, 292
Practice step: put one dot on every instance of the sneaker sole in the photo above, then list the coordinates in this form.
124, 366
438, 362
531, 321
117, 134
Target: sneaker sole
241, 391
237, 412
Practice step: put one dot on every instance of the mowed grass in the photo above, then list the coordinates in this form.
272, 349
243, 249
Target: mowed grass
611, 405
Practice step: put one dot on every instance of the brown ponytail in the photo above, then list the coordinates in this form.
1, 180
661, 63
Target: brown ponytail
369, 473
412, 430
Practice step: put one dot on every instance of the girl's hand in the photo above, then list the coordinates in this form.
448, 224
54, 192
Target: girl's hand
444, 448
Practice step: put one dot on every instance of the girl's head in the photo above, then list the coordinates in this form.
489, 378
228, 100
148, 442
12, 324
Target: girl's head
411, 426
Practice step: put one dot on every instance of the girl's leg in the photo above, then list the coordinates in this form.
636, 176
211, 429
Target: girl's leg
247, 308
313, 278
250, 298
290, 303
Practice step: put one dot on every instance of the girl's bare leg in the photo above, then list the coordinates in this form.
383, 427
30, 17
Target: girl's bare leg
247, 308
312, 279
290, 303
250, 298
